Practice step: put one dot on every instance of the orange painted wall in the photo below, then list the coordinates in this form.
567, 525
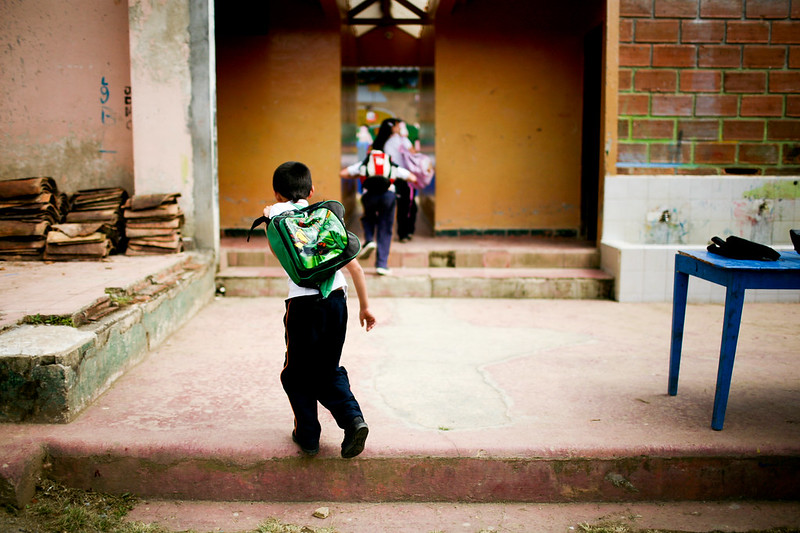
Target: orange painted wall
278, 99
508, 116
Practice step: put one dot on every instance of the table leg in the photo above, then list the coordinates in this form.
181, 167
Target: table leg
679, 292
734, 299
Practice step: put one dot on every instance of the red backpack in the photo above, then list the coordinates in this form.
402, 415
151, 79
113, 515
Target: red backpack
376, 172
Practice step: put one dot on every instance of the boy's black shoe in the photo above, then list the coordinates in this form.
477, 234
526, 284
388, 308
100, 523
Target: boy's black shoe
354, 438
308, 451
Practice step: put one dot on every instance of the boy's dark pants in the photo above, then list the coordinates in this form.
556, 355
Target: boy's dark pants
315, 333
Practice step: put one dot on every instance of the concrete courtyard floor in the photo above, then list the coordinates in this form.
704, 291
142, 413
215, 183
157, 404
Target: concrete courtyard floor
461, 378
479, 377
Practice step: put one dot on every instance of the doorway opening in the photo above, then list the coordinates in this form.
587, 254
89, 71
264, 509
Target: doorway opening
387, 72
389, 92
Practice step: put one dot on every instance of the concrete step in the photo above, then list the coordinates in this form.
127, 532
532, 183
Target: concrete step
547, 283
445, 268
446, 252
208, 475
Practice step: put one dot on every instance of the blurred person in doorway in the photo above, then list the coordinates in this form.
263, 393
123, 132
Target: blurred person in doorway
397, 145
380, 176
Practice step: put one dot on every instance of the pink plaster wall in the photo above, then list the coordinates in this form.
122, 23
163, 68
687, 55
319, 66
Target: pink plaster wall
65, 99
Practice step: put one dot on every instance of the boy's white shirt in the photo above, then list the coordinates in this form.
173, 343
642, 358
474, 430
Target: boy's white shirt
295, 290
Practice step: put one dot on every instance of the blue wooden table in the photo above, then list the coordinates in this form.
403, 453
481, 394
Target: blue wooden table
736, 276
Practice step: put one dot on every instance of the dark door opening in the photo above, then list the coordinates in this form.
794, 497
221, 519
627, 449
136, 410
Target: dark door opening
590, 144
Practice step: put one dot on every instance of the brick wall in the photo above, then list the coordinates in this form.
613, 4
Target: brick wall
709, 87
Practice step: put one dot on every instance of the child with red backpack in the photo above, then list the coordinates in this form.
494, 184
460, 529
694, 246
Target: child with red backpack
378, 174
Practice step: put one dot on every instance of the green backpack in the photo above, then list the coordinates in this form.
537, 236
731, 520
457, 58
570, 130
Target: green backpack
311, 243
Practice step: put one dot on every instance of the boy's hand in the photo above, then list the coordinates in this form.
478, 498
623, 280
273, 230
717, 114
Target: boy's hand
366, 317
412, 178
267, 209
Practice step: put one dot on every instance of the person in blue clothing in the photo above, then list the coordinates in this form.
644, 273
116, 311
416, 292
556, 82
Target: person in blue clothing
315, 329
379, 198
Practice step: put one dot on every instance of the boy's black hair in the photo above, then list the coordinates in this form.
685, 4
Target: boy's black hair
292, 180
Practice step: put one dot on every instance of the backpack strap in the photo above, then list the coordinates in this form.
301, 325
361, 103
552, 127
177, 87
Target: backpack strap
256, 223
365, 165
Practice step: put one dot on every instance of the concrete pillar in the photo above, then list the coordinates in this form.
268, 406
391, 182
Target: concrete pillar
174, 140
204, 125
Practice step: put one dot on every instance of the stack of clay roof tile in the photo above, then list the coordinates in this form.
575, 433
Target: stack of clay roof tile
153, 224
28, 207
101, 205
89, 241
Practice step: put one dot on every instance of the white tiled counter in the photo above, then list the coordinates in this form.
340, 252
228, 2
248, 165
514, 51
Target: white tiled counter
647, 219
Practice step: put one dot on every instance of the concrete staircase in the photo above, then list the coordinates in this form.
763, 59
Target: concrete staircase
444, 267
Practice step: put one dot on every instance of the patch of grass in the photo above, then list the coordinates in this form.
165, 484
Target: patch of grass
58, 508
119, 297
49, 320
605, 528
273, 525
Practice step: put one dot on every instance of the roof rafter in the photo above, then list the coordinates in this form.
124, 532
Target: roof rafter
386, 18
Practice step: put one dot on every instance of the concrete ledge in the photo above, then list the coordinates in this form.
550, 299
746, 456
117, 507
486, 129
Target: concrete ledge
175, 474
51, 373
22, 464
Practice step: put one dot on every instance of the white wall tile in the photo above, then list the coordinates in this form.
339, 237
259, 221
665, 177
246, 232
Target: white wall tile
637, 188
720, 189
616, 188
658, 192
700, 188
709, 206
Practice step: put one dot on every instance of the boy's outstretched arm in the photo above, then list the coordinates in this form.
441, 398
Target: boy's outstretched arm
365, 316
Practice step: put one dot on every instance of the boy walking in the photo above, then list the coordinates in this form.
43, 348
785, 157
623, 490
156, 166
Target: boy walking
315, 329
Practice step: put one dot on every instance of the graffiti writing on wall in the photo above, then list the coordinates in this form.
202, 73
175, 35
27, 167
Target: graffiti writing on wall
128, 107
107, 115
